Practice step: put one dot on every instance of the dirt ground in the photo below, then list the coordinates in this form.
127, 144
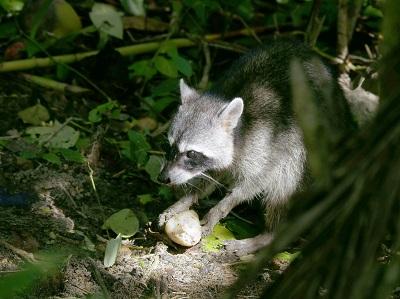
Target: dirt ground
55, 209
64, 213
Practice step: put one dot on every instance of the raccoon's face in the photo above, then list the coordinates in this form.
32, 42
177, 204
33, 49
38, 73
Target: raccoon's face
201, 136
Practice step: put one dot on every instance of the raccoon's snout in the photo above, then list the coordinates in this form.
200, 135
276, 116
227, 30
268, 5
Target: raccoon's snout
163, 177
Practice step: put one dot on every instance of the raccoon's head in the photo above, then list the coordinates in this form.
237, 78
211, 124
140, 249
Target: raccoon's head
201, 136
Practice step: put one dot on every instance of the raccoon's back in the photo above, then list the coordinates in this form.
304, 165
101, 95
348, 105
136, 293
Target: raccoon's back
262, 78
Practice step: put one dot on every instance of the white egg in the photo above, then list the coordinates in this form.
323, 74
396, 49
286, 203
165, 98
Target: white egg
184, 228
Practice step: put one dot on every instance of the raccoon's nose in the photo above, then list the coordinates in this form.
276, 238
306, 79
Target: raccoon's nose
164, 178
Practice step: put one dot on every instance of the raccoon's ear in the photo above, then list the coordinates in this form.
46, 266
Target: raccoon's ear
231, 113
187, 93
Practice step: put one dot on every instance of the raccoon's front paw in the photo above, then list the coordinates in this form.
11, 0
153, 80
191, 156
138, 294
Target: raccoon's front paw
164, 217
209, 221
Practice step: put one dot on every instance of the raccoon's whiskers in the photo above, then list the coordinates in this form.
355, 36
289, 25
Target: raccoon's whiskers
194, 186
210, 178
184, 188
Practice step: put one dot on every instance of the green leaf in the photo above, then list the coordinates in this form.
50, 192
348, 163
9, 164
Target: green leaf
123, 222
160, 104
287, 256
138, 147
143, 68
3, 143
245, 9
83, 143
52, 158
96, 114
12, 5
145, 199
166, 193
28, 155
168, 48
211, 244
134, 7
34, 115
183, 65
66, 20
64, 138
71, 155
222, 233
371, 11
241, 229
56, 136
107, 19
111, 252
165, 88
153, 167
165, 66
215, 241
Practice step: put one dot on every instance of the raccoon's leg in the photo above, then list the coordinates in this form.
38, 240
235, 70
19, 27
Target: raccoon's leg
274, 213
181, 205
218, 212
184, 204
250, 245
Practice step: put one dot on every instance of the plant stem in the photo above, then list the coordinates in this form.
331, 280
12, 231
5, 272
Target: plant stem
32, 63
52, 84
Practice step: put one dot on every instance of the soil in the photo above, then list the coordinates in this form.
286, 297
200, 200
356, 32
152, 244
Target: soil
64, 214
56, 210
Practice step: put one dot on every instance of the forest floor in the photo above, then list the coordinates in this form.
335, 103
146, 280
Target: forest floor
45, 209
65, 214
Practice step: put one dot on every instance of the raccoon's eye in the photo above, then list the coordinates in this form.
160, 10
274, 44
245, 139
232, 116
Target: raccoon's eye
192, 154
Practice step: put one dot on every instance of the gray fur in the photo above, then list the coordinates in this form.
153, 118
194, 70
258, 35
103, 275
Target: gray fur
246, 130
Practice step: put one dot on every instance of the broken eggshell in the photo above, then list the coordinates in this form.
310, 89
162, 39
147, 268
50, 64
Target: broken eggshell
184, 228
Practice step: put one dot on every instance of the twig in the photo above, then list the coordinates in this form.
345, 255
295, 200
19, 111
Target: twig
315, 24
91, 172
241, 218
342, 38
75, 71
334, 59
361, 59
347, 65
52, 84
348, 12
251, 30
207, 67
80, 126
228, 46
69, 196
32, 63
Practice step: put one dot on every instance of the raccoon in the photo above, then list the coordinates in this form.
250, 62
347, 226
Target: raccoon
242, 133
